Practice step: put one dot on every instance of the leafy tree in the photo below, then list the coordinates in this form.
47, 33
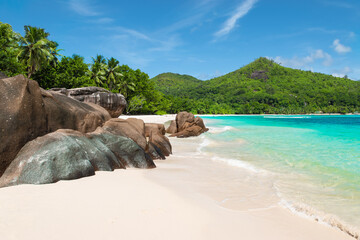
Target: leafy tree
9, 50
70, 72
36, 50
54, 51
112, 74
97, 71
127, 85
99, 59
135, 104
261, 87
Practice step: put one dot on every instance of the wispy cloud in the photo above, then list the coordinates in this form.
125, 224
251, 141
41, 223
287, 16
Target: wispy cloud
342, 72
131, 32
135, 58
167, 45
184, 23
83, 7
240, 12
340, 4
352, 7
147, 43
314, 30
340, 48
300, 62
323, 30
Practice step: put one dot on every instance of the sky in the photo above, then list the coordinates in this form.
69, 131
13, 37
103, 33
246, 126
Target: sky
202, 38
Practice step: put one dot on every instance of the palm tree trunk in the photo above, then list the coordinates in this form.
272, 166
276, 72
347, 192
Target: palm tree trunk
29, 72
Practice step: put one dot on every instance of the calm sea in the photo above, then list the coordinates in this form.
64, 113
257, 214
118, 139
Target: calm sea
315, 159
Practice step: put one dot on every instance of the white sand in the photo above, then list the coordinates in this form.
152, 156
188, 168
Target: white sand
151, 118
185, 197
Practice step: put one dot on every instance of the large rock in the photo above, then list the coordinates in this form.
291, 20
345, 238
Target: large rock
131, 128
66, 113
27, 111
128, 152
68, 154
172, 127
183, 120
191, 131
134, 129
23, 116
187, 126
114, 103
261, 74
154, 127
156, 134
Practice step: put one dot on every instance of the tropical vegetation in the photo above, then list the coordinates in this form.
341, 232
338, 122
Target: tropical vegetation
262, 86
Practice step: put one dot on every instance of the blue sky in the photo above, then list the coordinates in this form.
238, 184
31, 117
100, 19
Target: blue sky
203, 38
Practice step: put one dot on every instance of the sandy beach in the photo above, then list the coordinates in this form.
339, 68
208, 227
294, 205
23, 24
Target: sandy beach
186, 197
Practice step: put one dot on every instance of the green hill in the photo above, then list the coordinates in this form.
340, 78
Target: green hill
263, 86
175, 84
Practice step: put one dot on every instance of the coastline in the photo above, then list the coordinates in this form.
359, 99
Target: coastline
185, 197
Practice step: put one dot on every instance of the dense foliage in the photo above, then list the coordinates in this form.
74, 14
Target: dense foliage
9, 49
35, 56
263, 86
260, 87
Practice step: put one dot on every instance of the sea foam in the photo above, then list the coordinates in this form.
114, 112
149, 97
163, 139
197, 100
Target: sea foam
216, 130
239, 164
308, 212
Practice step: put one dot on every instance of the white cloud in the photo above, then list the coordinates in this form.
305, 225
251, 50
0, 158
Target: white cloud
341, 73
125, 35
135, 58
297, 62
339, 48
340, 4
166, 45
131, 32
83, 7
352, 35
240, 12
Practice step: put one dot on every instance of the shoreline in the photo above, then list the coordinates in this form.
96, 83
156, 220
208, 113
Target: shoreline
300, 209
185, 197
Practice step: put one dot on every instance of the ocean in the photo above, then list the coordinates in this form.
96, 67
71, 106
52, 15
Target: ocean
312, 162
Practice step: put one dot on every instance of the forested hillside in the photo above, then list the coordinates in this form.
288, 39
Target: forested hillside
174, 84
260, 87
264, 86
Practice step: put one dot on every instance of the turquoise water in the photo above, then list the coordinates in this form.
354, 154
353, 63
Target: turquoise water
316, 159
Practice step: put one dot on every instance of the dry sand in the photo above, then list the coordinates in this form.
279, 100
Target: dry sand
186, 197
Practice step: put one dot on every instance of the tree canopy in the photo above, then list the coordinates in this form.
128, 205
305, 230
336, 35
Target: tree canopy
262, 86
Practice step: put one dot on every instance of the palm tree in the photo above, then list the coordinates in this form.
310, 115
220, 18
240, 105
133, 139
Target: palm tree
126, 84
112, 73
97, 73
35, 49
54, 51
99, 59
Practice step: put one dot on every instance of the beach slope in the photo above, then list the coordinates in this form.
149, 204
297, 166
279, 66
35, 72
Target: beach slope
180, 199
